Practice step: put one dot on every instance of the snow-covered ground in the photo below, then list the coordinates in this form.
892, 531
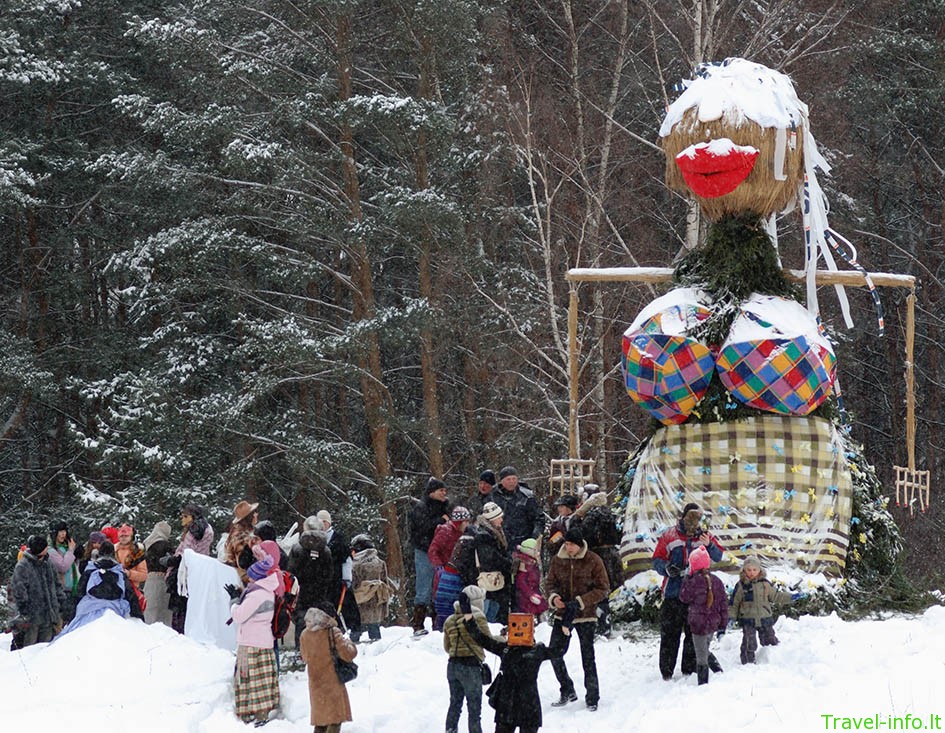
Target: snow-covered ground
121, 675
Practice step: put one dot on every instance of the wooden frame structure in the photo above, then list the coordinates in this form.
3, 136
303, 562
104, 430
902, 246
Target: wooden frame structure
569, 474
911, 484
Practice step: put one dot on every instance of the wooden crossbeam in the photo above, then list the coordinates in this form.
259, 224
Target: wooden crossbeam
851, 278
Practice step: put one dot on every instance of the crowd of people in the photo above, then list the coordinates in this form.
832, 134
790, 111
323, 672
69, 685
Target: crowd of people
493, 558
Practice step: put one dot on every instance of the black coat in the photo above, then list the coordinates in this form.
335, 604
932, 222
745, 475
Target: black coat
310, 562
340, 553
107, 589
424, 518
514, 694
476, 502
482, 540
599, 527
523, 517
153, 555
36, 590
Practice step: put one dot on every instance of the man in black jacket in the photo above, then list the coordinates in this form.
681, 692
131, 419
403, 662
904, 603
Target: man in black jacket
523, 517
483, 493
311, 562
341, 594
424, 518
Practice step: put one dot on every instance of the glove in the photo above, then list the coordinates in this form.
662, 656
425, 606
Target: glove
571, 609
170, 561
799, 596
232, 591
464, 605
673, 571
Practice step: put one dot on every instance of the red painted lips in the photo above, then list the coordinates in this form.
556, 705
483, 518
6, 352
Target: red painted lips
716, 168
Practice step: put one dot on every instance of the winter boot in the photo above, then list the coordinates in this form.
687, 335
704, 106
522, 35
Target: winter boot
702, 674
767, 637
419, 614
565, 698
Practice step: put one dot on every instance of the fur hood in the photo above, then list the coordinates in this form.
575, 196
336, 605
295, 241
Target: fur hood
316, 620
762, 575
598, 499
369, 553
485, 525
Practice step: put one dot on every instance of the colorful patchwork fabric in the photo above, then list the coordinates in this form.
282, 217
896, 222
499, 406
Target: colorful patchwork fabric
776, 358
773, 486
665, 371
666, 375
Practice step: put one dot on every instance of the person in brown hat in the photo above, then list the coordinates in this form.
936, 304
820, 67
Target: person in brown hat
241, 535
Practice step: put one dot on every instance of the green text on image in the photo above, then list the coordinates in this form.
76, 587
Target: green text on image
883, 722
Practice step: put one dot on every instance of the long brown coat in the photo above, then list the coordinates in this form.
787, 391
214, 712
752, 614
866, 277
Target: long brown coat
328, 697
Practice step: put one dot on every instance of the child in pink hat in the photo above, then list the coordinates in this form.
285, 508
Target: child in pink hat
708, 607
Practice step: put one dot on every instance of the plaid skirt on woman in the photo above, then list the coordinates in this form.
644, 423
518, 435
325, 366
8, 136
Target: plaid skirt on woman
256, 682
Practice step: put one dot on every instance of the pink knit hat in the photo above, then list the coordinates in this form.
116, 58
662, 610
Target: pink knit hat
699, 560
271, 549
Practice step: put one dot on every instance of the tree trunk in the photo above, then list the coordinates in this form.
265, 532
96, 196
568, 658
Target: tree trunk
372, 377
431, 406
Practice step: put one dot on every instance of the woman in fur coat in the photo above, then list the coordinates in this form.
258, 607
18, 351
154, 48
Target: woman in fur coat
327, 695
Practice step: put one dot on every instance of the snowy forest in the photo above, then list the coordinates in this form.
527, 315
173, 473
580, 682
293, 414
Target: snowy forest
310, 253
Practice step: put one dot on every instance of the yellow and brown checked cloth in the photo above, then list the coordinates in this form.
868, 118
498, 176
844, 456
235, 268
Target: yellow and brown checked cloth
777, 487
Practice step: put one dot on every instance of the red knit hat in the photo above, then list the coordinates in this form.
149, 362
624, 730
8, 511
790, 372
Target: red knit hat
111, 533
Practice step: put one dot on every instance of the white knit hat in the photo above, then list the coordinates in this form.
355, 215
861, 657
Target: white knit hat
491, 510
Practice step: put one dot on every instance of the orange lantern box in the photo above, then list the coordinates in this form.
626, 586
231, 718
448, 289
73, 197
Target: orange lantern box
521, 629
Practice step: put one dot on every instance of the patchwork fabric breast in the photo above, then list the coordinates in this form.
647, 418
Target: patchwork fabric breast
775, 358
665, 370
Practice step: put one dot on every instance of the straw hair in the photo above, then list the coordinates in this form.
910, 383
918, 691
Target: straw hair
759, 192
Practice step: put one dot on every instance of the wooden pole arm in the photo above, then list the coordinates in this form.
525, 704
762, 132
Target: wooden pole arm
850, 278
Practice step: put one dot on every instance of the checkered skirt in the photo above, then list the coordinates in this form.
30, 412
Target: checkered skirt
257, 688
774, 486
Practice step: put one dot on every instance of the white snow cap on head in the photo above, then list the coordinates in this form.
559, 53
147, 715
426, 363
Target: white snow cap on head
741, 88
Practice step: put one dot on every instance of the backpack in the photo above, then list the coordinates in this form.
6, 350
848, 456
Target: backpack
285, 604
